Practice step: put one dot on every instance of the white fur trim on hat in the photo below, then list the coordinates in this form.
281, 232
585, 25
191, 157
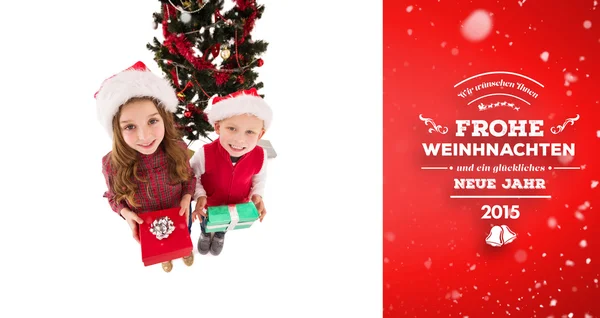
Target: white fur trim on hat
130, 83
242, 104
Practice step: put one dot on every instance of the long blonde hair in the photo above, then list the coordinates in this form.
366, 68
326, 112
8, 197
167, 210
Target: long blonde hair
124, 159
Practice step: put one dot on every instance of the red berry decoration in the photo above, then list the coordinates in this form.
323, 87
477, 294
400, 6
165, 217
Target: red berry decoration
260, 62
187, 114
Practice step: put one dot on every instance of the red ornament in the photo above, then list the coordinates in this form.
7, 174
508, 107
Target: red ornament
187, 114
216, 49
191, 107
241, 79
260, 62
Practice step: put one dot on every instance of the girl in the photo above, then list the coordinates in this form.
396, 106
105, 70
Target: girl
148, 167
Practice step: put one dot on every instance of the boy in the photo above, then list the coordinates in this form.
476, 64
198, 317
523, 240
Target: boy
231, 169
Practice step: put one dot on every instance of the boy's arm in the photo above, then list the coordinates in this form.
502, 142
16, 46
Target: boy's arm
198, 166
259, 180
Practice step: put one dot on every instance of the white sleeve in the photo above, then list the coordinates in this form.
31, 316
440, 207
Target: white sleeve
259, 180
197, 162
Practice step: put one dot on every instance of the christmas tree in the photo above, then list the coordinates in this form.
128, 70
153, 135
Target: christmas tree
206, 52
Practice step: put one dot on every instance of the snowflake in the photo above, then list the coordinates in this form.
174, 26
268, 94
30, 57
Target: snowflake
570, 263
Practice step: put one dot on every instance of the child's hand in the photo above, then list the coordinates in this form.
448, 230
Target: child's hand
185, 206
133, 220
199, 209
260, 206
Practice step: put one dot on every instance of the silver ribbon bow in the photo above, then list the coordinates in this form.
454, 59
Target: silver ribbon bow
162, 227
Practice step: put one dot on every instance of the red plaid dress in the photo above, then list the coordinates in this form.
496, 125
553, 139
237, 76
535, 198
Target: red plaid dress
155, 194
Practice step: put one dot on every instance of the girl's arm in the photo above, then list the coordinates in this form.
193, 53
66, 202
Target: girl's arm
109, 194
188, 186
259, 180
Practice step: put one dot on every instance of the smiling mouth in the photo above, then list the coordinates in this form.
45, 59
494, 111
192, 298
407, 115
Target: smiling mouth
147, 145
236, 147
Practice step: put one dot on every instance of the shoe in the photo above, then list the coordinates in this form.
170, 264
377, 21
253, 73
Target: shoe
204, 243
167, 266
189, 260
217, 244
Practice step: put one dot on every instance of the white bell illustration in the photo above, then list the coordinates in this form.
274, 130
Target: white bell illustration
507, 234
495, 236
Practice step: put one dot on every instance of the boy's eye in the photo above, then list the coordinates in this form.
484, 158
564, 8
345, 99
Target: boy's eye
250, 132
231, 128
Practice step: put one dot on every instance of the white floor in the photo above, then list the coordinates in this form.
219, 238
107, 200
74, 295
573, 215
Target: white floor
64, 252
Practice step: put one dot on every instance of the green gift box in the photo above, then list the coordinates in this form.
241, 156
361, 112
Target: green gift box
225, 218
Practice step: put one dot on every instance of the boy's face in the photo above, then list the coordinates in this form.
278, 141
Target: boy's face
239, 134
142, 126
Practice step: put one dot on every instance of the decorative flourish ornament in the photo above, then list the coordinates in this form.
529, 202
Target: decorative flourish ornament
438, 128
162, 227
560, 128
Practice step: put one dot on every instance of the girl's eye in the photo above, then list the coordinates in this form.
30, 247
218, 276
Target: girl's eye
231, 128
153, 121
129, 127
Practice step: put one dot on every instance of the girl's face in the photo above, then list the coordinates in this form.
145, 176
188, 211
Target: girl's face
239, 134
142, 126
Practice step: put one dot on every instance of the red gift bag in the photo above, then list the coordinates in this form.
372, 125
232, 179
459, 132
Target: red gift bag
164, 236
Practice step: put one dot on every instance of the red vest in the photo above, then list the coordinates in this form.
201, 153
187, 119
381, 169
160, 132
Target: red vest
225, 183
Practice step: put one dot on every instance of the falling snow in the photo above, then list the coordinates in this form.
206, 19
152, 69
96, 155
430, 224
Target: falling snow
553, 302
521, 256
594, 183
477, 26
552, 222
583, 243
409, 8
544, 56
409, 31
454, 295
454, 51
588, 261
570, 263
565, 160
587, 24
598, 133
570, 78
390, 236
428, 263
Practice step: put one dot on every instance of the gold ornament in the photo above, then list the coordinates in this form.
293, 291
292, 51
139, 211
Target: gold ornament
186, 4
225, 53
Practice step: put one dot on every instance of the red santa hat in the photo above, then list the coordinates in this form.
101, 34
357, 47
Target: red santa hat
238, 103
135, 81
